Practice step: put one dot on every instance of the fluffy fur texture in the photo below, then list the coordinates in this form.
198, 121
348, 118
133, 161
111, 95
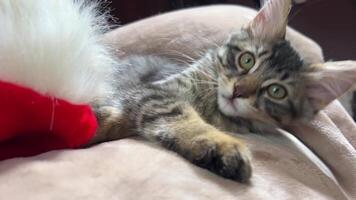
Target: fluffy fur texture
55, 48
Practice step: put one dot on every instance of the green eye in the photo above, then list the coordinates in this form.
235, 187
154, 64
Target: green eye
247, 60
277, 91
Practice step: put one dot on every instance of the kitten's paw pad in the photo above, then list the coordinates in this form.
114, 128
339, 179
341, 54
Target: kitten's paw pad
227, 157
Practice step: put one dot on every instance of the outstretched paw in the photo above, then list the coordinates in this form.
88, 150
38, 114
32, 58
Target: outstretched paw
222, 154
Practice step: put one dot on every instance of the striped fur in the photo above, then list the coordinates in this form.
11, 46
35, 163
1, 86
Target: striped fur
195, 110
190, 109
178, 107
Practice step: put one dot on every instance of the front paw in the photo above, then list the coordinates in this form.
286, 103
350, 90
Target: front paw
222, 154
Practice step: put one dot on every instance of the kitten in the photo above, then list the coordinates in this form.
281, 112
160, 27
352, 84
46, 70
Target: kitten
255, 78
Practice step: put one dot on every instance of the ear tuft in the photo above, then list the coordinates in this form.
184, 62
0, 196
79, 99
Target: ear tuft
328, 81
271, 21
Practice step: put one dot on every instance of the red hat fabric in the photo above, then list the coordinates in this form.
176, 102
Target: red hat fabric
32, 123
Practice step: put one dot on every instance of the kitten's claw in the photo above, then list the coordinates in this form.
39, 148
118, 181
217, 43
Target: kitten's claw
225, 156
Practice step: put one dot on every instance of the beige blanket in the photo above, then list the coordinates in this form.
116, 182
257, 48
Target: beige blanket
320, 164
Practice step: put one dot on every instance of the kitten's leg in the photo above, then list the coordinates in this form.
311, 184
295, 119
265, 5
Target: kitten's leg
178, 127
112, 125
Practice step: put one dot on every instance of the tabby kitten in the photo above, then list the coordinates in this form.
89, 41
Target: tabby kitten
256, 77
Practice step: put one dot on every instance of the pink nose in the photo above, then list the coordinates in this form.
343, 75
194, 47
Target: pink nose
238, 92
241, 92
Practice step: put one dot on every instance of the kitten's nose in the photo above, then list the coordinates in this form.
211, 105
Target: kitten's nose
246, 86
238, 92
241, 92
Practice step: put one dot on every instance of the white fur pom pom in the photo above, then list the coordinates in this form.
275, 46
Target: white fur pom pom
55, 48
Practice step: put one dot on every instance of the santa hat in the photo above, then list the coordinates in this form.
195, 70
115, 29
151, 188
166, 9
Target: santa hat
53, 63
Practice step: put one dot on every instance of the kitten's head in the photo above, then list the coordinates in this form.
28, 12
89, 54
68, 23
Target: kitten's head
262, 77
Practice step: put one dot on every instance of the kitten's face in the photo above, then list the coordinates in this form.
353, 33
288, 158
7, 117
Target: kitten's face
261, 77
261, 80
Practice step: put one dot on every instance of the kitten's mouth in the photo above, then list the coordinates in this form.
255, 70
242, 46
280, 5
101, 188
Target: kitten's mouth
230, 102
228, 105
229, 98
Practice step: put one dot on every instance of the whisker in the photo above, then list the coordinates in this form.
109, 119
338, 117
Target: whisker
206, 73
204, 82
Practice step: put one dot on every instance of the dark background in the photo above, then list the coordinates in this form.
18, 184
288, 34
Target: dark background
332, 23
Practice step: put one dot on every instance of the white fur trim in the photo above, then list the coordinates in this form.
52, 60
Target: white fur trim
55, 48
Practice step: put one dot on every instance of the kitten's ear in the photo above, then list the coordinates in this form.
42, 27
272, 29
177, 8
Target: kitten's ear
327, 81
271, 21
